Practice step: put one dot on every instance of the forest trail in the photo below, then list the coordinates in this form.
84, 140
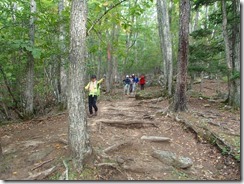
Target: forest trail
37, 149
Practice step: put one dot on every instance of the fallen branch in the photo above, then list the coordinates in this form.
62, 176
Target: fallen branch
155, 138
39, 165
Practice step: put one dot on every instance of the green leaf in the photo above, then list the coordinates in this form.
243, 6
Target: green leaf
8, 74
235, 75
36, 53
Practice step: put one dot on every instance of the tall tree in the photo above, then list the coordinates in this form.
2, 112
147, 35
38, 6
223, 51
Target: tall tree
78, 136
165, 42
29, 93
235, 95
225, 35
62, 76
112, 39
180, 101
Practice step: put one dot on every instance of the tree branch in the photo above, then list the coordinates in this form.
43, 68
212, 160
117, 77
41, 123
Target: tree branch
97, 20
10, 92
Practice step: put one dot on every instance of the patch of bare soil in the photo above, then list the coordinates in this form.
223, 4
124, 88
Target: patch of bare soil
38, 149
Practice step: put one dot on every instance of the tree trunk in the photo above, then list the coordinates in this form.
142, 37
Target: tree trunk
29, 93
62, 83
234, 97
180, 101
165, 41
227, 45
78, 136
162, 45
109, 67
115, 57
1, 150
111, 58
225, 35
99, 59
130, 41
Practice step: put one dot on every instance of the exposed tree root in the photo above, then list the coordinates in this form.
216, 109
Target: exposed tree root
155, 138
128, 123
41, 175
39, 165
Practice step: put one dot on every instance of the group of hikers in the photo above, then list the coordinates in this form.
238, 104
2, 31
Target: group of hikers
130, 83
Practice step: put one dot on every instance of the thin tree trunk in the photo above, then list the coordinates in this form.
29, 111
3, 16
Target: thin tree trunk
115, 58
62, 83
99, 60
109, 67
29, 93
225, 35
201, 84
78, 136
180, 100
111, 38
161, 37
165, 40
129, 41
1, 150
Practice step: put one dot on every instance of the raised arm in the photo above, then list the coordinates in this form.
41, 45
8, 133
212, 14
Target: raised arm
101, 80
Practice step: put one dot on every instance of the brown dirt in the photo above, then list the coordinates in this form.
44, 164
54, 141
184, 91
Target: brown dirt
34, 146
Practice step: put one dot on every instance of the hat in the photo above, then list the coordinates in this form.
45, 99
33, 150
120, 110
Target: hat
127, 75
93, 77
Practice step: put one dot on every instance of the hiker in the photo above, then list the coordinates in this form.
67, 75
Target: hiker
142, 82
126, 85
131, 83
94, 91
135, 81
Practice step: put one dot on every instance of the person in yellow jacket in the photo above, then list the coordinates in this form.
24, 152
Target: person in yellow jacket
93, 87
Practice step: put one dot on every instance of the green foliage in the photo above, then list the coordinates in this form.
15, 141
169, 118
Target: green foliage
131, 28
200, 33
198, 3
207, 44
235, 75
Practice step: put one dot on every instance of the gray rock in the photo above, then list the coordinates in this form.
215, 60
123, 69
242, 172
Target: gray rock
170, 158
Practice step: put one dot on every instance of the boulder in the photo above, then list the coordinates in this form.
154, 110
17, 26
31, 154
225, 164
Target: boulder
172, 159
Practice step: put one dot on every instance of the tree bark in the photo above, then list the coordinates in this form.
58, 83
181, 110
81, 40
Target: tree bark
235, 94
1, 150
166, 43
78, 136
225, 35
180, 100
109, 66
62, 82
29, 93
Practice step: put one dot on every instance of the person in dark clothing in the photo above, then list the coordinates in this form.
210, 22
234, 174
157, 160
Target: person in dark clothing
131, 83
135, 81
126, 85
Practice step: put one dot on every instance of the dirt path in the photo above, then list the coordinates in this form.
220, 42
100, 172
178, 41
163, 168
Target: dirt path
41, 144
